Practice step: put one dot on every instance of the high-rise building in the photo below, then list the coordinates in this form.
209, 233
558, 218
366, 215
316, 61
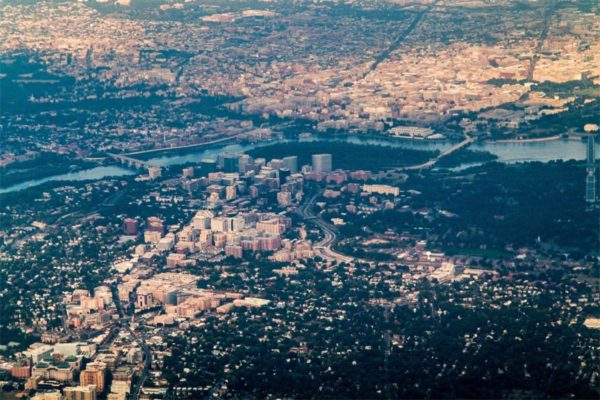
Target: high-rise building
230, 193
276, 163
284, 199
208, 166
321, 162
219, 224
283, 173
244, 161
234, 251
126, 373
94, 374
188, 172
229, 162
154, 172
291, 163
202, 219
154, 224
130, 226
80, 393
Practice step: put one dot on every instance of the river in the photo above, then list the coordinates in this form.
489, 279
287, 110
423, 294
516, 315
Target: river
83, 175
506, 152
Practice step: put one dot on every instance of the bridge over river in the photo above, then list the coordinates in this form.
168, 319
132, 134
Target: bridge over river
132, 162
467, 141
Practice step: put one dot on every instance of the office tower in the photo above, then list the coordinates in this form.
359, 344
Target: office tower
208, 166
229, 162
230, 193
276, 163
80, 393
218, 224
154, 172
244, 161
188, 172
125, 374
284, 199
202, 219
260, 162
234, 251
94, 374
130, 226
238, 224
291, 163
154, 224
321, 162
283, 173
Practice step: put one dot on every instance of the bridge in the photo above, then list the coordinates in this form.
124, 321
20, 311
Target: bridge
467, 141
131, 162
186, 146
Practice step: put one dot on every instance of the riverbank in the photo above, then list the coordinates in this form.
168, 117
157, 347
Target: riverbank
511, 152
347, 156
45, 165
95, 173
143, 154
531, 140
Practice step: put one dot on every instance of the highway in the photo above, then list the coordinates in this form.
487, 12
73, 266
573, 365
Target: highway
324, 247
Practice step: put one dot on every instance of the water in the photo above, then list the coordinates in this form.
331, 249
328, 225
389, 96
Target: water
167, 159
537, 151
84, 175
506, 152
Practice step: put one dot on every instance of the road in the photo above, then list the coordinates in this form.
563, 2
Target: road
387, 350
399, 39
324, 247
123, 323
135, 394
548, 13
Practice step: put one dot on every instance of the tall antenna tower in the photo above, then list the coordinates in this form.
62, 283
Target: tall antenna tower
591, 184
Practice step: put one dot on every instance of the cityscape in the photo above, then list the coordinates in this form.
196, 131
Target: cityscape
328, 199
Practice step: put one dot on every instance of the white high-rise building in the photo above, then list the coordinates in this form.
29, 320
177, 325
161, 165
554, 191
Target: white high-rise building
321, 162
291, 163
